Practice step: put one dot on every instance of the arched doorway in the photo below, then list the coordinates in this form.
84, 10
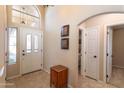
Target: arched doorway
102, 21
24, 40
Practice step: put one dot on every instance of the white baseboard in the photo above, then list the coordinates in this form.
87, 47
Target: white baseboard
100, 81
13, 77
46, 71
117, 66
70, 86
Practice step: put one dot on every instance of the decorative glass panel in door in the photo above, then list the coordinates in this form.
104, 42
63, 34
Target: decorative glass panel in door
35, 43
28, 43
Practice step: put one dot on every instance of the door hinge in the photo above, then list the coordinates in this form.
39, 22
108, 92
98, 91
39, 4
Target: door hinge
6, 54
107, 32
6, 78
107, 54
85, 70
7, 62
106, 76
6, 28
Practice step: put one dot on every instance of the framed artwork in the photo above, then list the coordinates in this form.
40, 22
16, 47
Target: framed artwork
65, 43
65, 31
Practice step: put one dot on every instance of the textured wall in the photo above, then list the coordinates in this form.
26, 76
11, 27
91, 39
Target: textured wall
55, 18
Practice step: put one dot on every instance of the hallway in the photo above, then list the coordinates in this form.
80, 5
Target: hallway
38, 37
41, 79
117, 78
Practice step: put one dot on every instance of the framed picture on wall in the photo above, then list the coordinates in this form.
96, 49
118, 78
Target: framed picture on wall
65, 31
65, 43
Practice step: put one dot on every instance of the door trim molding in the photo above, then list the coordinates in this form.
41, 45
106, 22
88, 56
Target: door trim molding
105, 46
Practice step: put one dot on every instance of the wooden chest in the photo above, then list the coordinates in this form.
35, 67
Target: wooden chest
58, 76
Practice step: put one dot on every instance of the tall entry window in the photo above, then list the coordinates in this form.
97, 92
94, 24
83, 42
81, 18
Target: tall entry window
12, 42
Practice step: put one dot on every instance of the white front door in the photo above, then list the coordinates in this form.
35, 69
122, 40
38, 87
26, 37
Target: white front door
109, 53
92, 52
31, 50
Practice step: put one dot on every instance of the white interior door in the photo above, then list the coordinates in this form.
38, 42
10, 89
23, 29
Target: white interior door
92, 52
31, 50
109, 53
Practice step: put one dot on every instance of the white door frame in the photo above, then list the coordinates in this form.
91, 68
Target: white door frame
105, 45
42, 54
83, 53
83, 63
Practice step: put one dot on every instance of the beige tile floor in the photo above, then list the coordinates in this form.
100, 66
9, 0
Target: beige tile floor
41, 79
117, 78
85, 82
38, 79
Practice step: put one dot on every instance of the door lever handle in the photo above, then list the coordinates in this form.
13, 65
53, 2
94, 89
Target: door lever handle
95, 56
23, 54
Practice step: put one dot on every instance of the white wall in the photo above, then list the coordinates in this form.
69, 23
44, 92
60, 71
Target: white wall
118, 47
2, 29
2, 40
55, 18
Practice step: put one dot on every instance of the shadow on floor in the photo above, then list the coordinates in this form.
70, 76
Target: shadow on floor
38, 79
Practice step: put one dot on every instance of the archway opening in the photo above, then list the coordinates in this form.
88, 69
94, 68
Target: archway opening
98, 23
